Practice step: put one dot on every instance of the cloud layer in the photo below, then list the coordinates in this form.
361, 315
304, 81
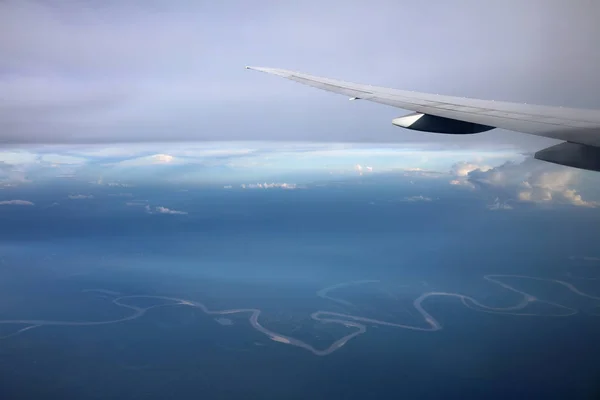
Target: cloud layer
507, 179
146, 71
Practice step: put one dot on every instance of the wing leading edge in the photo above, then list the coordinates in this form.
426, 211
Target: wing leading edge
445, 114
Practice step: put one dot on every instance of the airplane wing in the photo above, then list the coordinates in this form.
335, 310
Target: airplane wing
578, 128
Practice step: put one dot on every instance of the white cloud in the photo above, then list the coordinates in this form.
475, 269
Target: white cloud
463, 168
162, 158
420, 172
574, 198
462, 182
530, 181
16, 203
158, 209
80, 196
548, 186
165, 210
363, 169
117, 184
417, 198
498, 205
155, 159
269, 186
461, 171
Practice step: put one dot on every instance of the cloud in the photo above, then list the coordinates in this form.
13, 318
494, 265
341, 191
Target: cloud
421, 172
547, 186
532, 181
417, 198
462, 182
463, 168
16, 203
571, 196
165, 210
157, 209
195, 162
118, 184
80, 196
238, 163
363, 169
162, 158
155, 159
498, 205
269, 186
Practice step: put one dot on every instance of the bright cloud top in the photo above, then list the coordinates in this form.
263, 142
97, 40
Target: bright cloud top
531, 181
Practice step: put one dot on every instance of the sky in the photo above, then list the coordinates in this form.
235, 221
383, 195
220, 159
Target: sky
140, 71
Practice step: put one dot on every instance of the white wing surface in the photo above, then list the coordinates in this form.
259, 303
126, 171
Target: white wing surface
458, 115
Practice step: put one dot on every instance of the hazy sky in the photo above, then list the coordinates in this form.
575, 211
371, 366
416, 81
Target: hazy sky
105, 71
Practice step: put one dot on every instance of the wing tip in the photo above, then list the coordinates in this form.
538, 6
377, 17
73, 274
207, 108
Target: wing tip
273, 71
262, 69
